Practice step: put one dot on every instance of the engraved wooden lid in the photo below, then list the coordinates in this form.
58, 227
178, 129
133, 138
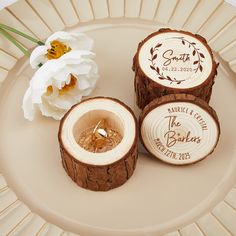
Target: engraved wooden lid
176, 59
179, 129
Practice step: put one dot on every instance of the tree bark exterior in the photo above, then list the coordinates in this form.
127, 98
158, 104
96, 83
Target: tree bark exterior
100, 178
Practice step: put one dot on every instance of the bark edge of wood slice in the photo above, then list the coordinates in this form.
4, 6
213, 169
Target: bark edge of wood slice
179, 119
99, 171
153, 79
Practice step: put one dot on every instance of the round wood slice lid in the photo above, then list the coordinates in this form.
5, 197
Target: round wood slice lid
176, 59
179, 129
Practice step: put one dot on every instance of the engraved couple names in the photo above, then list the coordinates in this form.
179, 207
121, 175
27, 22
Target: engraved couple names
174, 134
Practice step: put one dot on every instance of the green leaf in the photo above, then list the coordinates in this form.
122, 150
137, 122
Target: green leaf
15, 42
6, 27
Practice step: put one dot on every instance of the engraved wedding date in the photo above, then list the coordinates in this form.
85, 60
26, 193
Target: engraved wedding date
175, 68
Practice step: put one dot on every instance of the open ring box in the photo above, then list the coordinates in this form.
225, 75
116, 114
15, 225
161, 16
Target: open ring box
99, 171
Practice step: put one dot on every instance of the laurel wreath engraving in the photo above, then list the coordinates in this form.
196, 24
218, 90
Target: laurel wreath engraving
195, 52
153, 52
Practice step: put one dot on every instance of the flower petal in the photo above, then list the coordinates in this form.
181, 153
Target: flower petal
64, 101
38, 56
28, 106
76, 41
71, 56
51, 111
82, 42
83, 84
87, 91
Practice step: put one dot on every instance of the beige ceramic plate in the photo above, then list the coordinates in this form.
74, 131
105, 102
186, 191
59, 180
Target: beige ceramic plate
159, 198
155, 197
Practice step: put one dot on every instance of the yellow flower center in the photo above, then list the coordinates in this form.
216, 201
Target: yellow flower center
65, 88
57, 50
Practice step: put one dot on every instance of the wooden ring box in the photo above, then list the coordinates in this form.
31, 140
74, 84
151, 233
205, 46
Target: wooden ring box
99, 171
171, 62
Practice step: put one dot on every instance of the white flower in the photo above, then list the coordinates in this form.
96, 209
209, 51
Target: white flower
74, 41
6, 3
60, 83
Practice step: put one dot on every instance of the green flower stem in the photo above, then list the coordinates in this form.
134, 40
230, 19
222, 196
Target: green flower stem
14, 41
6, 27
